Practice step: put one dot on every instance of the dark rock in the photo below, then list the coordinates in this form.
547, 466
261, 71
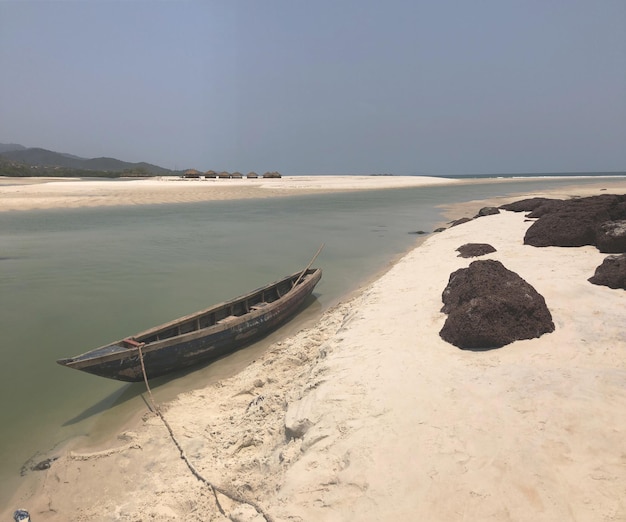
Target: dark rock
616, 205
440, 229
547, 207
611, 273
44, 464
474, 249
41, 465
418, 232
574, 222
489, 306
531, 204
488, 211
611, 237
460, 221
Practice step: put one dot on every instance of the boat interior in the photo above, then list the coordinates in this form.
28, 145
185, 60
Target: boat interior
219, 314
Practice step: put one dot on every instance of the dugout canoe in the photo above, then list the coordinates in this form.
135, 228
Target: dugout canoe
202, 336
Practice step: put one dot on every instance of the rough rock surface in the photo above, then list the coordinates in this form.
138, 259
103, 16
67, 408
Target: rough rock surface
488, 211
489, 306
535, 205
460, 221
611, 273
475, 249
611, 236
575, 222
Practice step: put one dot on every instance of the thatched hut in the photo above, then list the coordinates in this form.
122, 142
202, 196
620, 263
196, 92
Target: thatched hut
224, 175
192, 174
272, 175
210, 174
237, 175
252, 175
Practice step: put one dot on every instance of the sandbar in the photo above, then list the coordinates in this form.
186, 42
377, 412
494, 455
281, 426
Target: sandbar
46, 193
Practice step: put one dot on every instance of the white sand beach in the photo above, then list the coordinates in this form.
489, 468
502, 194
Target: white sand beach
371, 416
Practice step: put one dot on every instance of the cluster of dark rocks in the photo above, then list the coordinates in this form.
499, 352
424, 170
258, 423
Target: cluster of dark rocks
597, 220
489, 306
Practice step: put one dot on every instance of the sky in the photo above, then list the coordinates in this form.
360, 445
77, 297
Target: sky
438, 87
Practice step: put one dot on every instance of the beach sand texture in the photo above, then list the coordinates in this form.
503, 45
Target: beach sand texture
370, 415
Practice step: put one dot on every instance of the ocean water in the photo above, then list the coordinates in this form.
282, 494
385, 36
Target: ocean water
74, 279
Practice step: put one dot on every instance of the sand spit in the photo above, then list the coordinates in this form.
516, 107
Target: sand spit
370, 415
44, 193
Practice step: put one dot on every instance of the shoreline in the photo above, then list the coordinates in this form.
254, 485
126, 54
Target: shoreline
338, 458
22, 194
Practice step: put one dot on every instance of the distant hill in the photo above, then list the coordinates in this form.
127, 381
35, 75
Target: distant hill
50, 159
7, 147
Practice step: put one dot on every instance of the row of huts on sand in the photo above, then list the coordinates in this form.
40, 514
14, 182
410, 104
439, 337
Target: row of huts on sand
196, 174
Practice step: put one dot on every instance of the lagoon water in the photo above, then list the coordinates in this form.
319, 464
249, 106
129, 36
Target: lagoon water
72, 280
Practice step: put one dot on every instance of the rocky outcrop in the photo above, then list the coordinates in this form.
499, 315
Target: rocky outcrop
611, 273
487, 211
475, 249
611, 236
576, 222
460, 221
597, 220
538, 206
489, 306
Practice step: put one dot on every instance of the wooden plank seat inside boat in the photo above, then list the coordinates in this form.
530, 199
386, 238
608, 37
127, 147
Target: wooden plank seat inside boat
258, 306
131, 343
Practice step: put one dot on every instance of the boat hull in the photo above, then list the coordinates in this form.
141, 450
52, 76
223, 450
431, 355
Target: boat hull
122, 362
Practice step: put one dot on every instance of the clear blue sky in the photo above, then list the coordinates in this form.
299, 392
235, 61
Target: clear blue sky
320, 87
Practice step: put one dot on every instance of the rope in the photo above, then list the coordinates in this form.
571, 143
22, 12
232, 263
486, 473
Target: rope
214, 489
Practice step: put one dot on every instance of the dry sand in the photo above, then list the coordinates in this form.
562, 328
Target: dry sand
389, 421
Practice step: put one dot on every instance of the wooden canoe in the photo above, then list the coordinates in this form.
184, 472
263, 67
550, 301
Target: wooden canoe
202, 336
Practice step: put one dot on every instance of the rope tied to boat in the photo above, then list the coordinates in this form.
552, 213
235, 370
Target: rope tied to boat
214, 489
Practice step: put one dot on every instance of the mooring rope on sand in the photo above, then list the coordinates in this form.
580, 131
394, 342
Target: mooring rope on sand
214, 489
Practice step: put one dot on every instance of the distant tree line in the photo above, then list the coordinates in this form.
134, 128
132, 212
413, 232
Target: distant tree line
17, 169
21, 170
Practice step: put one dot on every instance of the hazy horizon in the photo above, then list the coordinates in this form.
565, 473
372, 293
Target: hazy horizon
404, 87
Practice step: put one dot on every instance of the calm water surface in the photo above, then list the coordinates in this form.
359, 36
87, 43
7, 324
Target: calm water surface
72, 280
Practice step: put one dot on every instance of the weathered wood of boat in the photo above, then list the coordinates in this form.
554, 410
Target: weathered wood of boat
202, 336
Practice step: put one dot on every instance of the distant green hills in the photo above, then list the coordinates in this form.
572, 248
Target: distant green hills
17, 160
